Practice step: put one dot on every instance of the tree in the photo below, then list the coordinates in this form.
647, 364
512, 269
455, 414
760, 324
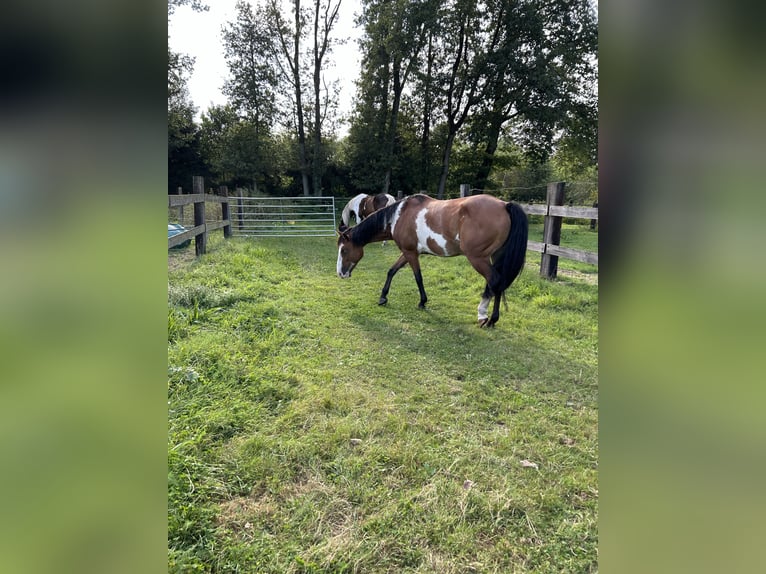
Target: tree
541, 78
184, 158
183, 138
469, 37
249, 50
395, 32
236, 149
325, 17
290, 36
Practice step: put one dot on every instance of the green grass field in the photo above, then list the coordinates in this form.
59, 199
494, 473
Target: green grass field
311, 430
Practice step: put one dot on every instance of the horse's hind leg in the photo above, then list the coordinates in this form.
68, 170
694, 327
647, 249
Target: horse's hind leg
484, 305
495, 312
484, 268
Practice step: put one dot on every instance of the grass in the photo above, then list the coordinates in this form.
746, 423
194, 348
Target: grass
312, 431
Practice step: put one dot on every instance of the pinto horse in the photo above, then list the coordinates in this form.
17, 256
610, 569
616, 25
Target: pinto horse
364, 205
491, 233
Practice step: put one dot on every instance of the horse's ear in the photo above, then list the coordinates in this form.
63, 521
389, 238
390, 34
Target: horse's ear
342, 228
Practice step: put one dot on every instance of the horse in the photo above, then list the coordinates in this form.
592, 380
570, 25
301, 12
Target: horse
490, 233
364, 205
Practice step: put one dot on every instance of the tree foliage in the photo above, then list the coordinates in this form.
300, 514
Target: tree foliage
184, 158
486, 70
249, 50
499, 94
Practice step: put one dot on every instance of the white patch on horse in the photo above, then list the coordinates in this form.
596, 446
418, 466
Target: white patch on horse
352, 207
396, 216
483, 306
425, 233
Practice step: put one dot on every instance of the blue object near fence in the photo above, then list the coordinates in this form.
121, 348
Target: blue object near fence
175, 229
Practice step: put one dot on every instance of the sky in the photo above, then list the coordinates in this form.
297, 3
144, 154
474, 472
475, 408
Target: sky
198, 34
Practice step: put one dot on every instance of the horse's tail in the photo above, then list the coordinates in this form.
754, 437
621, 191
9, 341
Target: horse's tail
509, 261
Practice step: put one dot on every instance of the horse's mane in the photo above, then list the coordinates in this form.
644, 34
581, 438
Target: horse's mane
366, 231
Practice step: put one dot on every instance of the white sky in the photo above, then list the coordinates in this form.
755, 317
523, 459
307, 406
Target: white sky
198, 34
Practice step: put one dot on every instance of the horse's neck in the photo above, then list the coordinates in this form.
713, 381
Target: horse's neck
372, 230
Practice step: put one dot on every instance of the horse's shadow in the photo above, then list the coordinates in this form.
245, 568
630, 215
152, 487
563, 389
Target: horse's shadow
427, 332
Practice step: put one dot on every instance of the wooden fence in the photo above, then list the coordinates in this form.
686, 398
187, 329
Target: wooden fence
554, 212
201, 227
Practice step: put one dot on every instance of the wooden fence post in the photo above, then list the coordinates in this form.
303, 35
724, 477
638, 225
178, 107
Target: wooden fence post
200, 240
549, 264
225, 212
180, 207
465, 190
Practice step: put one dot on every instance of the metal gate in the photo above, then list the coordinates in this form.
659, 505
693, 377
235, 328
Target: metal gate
283, 216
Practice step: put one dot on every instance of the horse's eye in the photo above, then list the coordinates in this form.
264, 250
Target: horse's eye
343, 251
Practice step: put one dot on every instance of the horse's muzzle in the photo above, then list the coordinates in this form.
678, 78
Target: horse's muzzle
345, 273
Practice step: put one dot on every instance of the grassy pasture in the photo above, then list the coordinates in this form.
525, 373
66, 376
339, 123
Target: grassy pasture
312, 431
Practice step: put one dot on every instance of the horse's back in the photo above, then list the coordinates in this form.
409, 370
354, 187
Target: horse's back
476, 224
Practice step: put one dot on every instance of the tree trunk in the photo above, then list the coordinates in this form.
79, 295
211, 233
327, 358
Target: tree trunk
445, 164
316, 164
317, 155
299, 101
493, 135
425, 142
393, 125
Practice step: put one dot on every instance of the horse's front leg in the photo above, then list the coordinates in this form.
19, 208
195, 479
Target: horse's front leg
401, 262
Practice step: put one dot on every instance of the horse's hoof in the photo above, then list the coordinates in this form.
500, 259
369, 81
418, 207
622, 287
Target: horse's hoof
421, 306
483, 322
382, 301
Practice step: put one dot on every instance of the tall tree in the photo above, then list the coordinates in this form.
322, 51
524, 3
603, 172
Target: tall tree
395, 31
183, 135
290, 35
469, 34
325, 17
249, 50
541, 77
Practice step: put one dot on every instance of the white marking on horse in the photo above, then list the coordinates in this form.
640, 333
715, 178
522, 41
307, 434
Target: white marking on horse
340, 266
352, 207
483, 306
425, 233
395, 219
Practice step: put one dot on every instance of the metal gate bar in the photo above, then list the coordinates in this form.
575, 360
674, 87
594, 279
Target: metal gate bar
284, 216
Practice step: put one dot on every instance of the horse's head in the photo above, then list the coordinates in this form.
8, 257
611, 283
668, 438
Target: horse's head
349, 253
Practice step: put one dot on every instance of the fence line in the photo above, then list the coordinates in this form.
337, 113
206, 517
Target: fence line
316, 217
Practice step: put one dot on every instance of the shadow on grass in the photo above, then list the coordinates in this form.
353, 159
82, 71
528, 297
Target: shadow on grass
418, 340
